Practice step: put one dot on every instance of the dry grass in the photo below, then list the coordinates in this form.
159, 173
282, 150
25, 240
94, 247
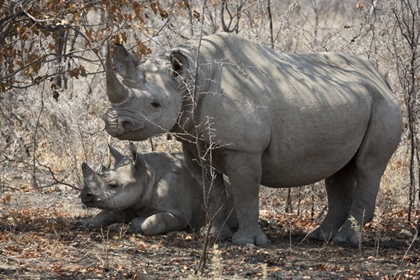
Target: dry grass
40, 240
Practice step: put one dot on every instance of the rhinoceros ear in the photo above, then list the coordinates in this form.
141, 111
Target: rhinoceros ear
179, 63
125, 63
133, 152
116, 155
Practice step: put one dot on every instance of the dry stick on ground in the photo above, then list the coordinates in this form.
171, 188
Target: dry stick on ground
201, 153
408, 249
55, 178
270, 17
407, 17
359, 229
418, 167
34, 183
151, 144
108, 154
193, 97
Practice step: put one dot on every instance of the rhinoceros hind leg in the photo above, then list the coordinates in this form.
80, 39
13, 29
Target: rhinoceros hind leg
362, 209
159, 223
340, 189
135, 225
377, 147
217, 233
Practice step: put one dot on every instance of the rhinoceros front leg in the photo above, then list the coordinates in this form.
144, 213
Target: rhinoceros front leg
218, 197
244, 172
218, 205
340, 190
156, 224
105, 218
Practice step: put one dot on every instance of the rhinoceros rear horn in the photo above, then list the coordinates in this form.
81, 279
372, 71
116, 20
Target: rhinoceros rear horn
125, 64
115, 90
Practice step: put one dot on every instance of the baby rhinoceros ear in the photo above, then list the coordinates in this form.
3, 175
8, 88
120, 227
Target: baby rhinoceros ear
133, 152
140, 166
118, 157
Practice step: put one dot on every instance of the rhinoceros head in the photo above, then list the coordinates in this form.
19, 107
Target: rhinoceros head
116, 188
148, 99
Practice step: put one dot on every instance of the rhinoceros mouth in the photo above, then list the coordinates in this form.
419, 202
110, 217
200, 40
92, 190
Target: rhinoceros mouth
91, 202
127, 135
118, 130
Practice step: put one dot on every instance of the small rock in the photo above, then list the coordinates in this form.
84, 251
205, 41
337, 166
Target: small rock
404, 234
250, 245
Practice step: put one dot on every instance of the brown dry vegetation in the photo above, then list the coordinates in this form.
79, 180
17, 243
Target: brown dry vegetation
42, 241
47, 131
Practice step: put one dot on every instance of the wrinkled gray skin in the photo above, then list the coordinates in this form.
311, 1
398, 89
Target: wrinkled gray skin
280, 120
154, 192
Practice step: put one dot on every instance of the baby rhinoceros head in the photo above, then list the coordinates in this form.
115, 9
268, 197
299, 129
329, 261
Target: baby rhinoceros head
116, 188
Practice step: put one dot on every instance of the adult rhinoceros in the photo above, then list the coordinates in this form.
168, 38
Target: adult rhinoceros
280, 120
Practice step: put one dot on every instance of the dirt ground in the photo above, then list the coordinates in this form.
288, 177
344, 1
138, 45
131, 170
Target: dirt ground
39, 239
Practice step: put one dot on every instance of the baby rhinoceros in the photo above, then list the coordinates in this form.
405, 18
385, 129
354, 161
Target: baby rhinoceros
154, 192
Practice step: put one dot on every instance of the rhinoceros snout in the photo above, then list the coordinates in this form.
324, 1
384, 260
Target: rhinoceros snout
127, 125
117, 125
87, 197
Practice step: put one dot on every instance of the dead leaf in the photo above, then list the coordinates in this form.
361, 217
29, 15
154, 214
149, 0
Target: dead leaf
358, 6
142, 246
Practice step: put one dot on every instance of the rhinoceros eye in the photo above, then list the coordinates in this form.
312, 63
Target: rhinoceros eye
155, 104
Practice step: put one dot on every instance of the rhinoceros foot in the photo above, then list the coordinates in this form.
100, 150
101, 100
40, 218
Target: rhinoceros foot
346, 240
82, 223
322, 234
104, 218
159, 223
250, 235
217, 233
153, 225
135, 225
347, 235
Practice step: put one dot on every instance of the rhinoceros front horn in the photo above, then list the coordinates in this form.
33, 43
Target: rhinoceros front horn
115, 90
87, 170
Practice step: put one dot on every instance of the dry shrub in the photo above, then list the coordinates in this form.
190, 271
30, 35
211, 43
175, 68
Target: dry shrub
393, 194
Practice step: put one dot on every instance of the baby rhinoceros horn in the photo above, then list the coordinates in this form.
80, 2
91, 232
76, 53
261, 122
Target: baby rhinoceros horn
86, 170
91, 180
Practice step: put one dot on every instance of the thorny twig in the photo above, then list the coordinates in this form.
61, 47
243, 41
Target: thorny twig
55, 178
